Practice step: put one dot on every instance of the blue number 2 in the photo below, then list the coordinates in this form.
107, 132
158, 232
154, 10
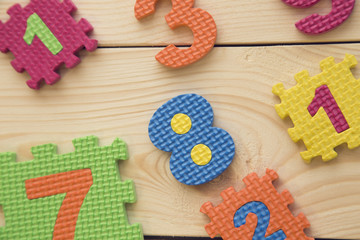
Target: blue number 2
263, 216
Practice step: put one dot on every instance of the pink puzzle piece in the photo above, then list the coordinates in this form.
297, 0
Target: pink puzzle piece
36, 58
316, 24
301, 3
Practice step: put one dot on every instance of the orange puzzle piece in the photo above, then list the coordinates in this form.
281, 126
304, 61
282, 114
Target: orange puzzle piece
183, 14
260, 191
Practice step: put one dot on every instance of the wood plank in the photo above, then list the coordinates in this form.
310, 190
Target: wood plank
114, 92
239, 22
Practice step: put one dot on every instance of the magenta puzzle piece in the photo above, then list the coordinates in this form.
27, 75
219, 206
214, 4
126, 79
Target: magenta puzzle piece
41, 53
301, 3
316, 24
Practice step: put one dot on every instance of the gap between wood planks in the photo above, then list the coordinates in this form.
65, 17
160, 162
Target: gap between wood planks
240, 45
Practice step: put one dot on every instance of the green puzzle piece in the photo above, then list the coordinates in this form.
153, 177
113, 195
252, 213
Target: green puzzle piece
102, 214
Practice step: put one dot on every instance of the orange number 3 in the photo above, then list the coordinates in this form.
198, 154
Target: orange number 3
75, 184
182, 13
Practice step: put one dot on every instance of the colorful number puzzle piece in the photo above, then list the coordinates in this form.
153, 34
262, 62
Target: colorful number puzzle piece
316, 24
42, 36
183, 126
255, 212
323, 108
182, 13
76, 195
301, 3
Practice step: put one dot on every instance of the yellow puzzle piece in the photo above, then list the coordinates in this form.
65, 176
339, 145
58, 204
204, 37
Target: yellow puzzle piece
325, 109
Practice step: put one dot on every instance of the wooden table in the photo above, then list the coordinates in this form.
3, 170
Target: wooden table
116, 89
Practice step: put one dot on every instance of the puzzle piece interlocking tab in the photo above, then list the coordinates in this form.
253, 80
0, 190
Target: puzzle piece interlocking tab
327, 128
257, 190
80, 187
42, 36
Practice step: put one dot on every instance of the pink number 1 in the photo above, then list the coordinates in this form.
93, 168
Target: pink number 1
324, 98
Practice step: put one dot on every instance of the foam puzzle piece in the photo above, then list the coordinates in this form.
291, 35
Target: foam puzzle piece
322, 120
256, 211
76, 195
42, 36
316, 24
301, 3
182, 13
183, 126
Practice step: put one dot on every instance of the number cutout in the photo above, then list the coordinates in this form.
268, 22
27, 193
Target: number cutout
316, 24
199, 151
75, 184
263, 216
36, 26
323, 98
301, 3
182, 13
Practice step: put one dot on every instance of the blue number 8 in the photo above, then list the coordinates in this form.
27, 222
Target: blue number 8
183, 126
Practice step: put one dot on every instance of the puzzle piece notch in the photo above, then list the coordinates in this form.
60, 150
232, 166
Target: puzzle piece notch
44, 151
144, 8
68, 6
117, 149
329, 62
318, 132
106, 196
13, 11
257, 189
71, 34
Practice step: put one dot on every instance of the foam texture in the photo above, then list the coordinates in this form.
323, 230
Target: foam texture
323, 108
317, 24
182, 13
76, 195
165, 138
225, 217
38, 58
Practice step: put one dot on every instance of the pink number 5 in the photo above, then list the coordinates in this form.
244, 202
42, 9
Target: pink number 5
316, 24
324, 98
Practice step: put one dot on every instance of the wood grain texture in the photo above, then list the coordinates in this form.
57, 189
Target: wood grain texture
238, 22
114, 92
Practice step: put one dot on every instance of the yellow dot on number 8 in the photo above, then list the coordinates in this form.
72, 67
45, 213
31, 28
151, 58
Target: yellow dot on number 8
181, 123
201, 154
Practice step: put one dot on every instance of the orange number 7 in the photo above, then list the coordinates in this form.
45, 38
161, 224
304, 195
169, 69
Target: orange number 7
75, 184
182, 13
